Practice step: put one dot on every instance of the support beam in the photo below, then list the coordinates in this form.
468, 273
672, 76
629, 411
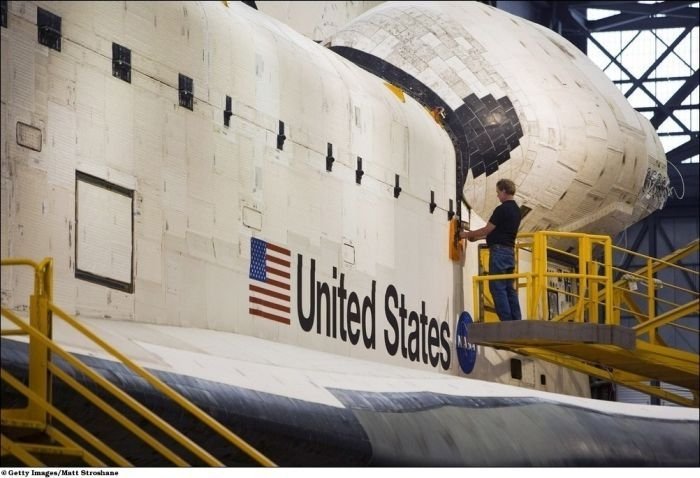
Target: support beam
688, 278
635, 247
668, 317
674, 107
686, 150
669, 49
660, 107
639, 16
690, 84
636, 7
631, 22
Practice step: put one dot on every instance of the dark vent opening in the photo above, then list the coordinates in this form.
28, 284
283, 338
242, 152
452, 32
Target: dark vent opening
359, 172
329, 158
280, 136
48, 29
516, 369
543, 379
121, 62
186, 90
228, 112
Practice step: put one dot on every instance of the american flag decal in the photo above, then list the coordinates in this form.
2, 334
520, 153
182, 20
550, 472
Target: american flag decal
269, 286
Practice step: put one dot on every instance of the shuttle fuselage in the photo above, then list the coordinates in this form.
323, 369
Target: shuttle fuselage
165, 193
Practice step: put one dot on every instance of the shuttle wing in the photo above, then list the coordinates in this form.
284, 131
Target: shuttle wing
307, 408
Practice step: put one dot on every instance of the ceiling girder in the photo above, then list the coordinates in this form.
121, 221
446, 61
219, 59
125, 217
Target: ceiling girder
662, 110
686, 150
638, 81
633, 7
681, 94
687, 17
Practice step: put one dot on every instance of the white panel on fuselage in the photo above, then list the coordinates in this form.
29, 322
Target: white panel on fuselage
104, 232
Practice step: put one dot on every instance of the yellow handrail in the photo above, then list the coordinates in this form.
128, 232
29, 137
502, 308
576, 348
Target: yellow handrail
16, 450
595, 289
112, 412
124, 397
169, 392
80, 431
586, 292
39, 329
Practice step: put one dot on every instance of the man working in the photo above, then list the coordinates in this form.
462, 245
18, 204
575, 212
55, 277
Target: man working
500, 232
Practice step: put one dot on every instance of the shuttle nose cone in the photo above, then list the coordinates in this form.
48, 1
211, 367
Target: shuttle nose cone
518, 102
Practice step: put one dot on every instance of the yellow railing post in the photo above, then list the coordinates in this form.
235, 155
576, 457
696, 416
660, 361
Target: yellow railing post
37, 380
617, 306
530, 305
476, 285
593, 282
611, 317
583, 260
531, 297
40, 318
544, 281
651, 301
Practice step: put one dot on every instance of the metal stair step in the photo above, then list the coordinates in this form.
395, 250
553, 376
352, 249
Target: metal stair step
19, 423
50, 449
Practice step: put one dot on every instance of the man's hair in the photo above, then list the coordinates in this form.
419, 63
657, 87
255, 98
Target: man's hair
506, 185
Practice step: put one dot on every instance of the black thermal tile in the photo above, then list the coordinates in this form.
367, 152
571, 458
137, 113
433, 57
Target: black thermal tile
512, 116
464, 114
519, 133
491, 168
499, 142
502, 156
473, 102
476, 125
505, 103
490, 103
483, 142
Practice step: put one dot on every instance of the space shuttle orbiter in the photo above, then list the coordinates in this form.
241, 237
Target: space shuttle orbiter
255, 218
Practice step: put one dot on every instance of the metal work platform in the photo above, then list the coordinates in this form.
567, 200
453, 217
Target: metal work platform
615, 347
574, 307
